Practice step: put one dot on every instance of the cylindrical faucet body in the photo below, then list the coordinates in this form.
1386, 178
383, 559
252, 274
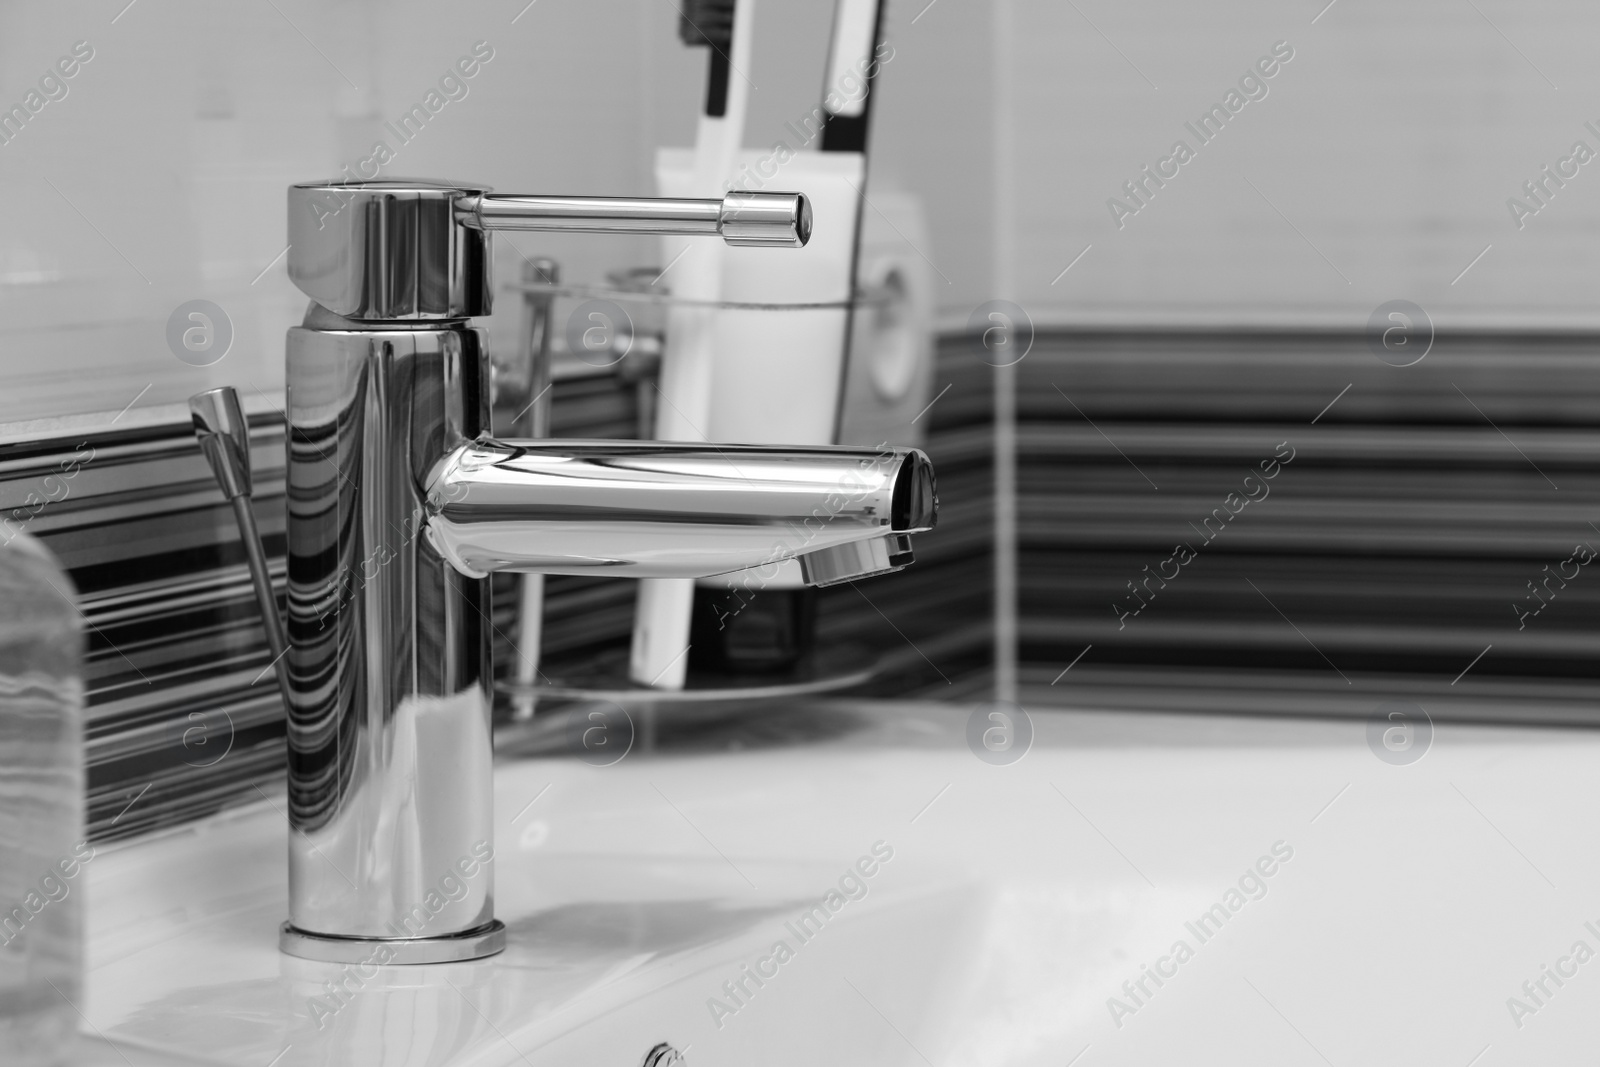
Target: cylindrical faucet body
390, 784
401, 503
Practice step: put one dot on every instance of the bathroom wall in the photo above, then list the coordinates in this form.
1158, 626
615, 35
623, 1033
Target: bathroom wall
1382, 159
153, 174
157, 176
1377, 166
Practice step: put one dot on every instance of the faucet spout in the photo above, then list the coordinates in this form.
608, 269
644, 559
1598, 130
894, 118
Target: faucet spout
666, 510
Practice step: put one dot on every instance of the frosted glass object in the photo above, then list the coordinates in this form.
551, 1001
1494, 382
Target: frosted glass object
42, 846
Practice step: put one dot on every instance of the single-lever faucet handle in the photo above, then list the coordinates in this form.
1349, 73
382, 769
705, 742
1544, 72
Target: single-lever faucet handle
740, 218
396, 250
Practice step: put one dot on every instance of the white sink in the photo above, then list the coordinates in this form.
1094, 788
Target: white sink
1017, 902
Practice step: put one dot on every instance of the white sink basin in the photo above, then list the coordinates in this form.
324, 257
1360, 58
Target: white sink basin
1017, 902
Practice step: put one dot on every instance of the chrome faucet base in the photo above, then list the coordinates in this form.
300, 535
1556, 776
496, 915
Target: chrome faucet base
485, 940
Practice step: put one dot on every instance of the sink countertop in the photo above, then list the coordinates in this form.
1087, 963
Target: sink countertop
1405, 905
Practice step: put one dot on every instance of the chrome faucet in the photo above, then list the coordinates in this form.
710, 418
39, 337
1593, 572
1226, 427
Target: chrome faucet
401, 504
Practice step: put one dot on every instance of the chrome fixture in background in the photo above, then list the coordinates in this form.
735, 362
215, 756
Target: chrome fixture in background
532, 376
224, 436
401, 504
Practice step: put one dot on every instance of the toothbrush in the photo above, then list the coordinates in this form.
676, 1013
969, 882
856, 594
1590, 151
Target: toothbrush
857, 32
857, 28
659, 656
